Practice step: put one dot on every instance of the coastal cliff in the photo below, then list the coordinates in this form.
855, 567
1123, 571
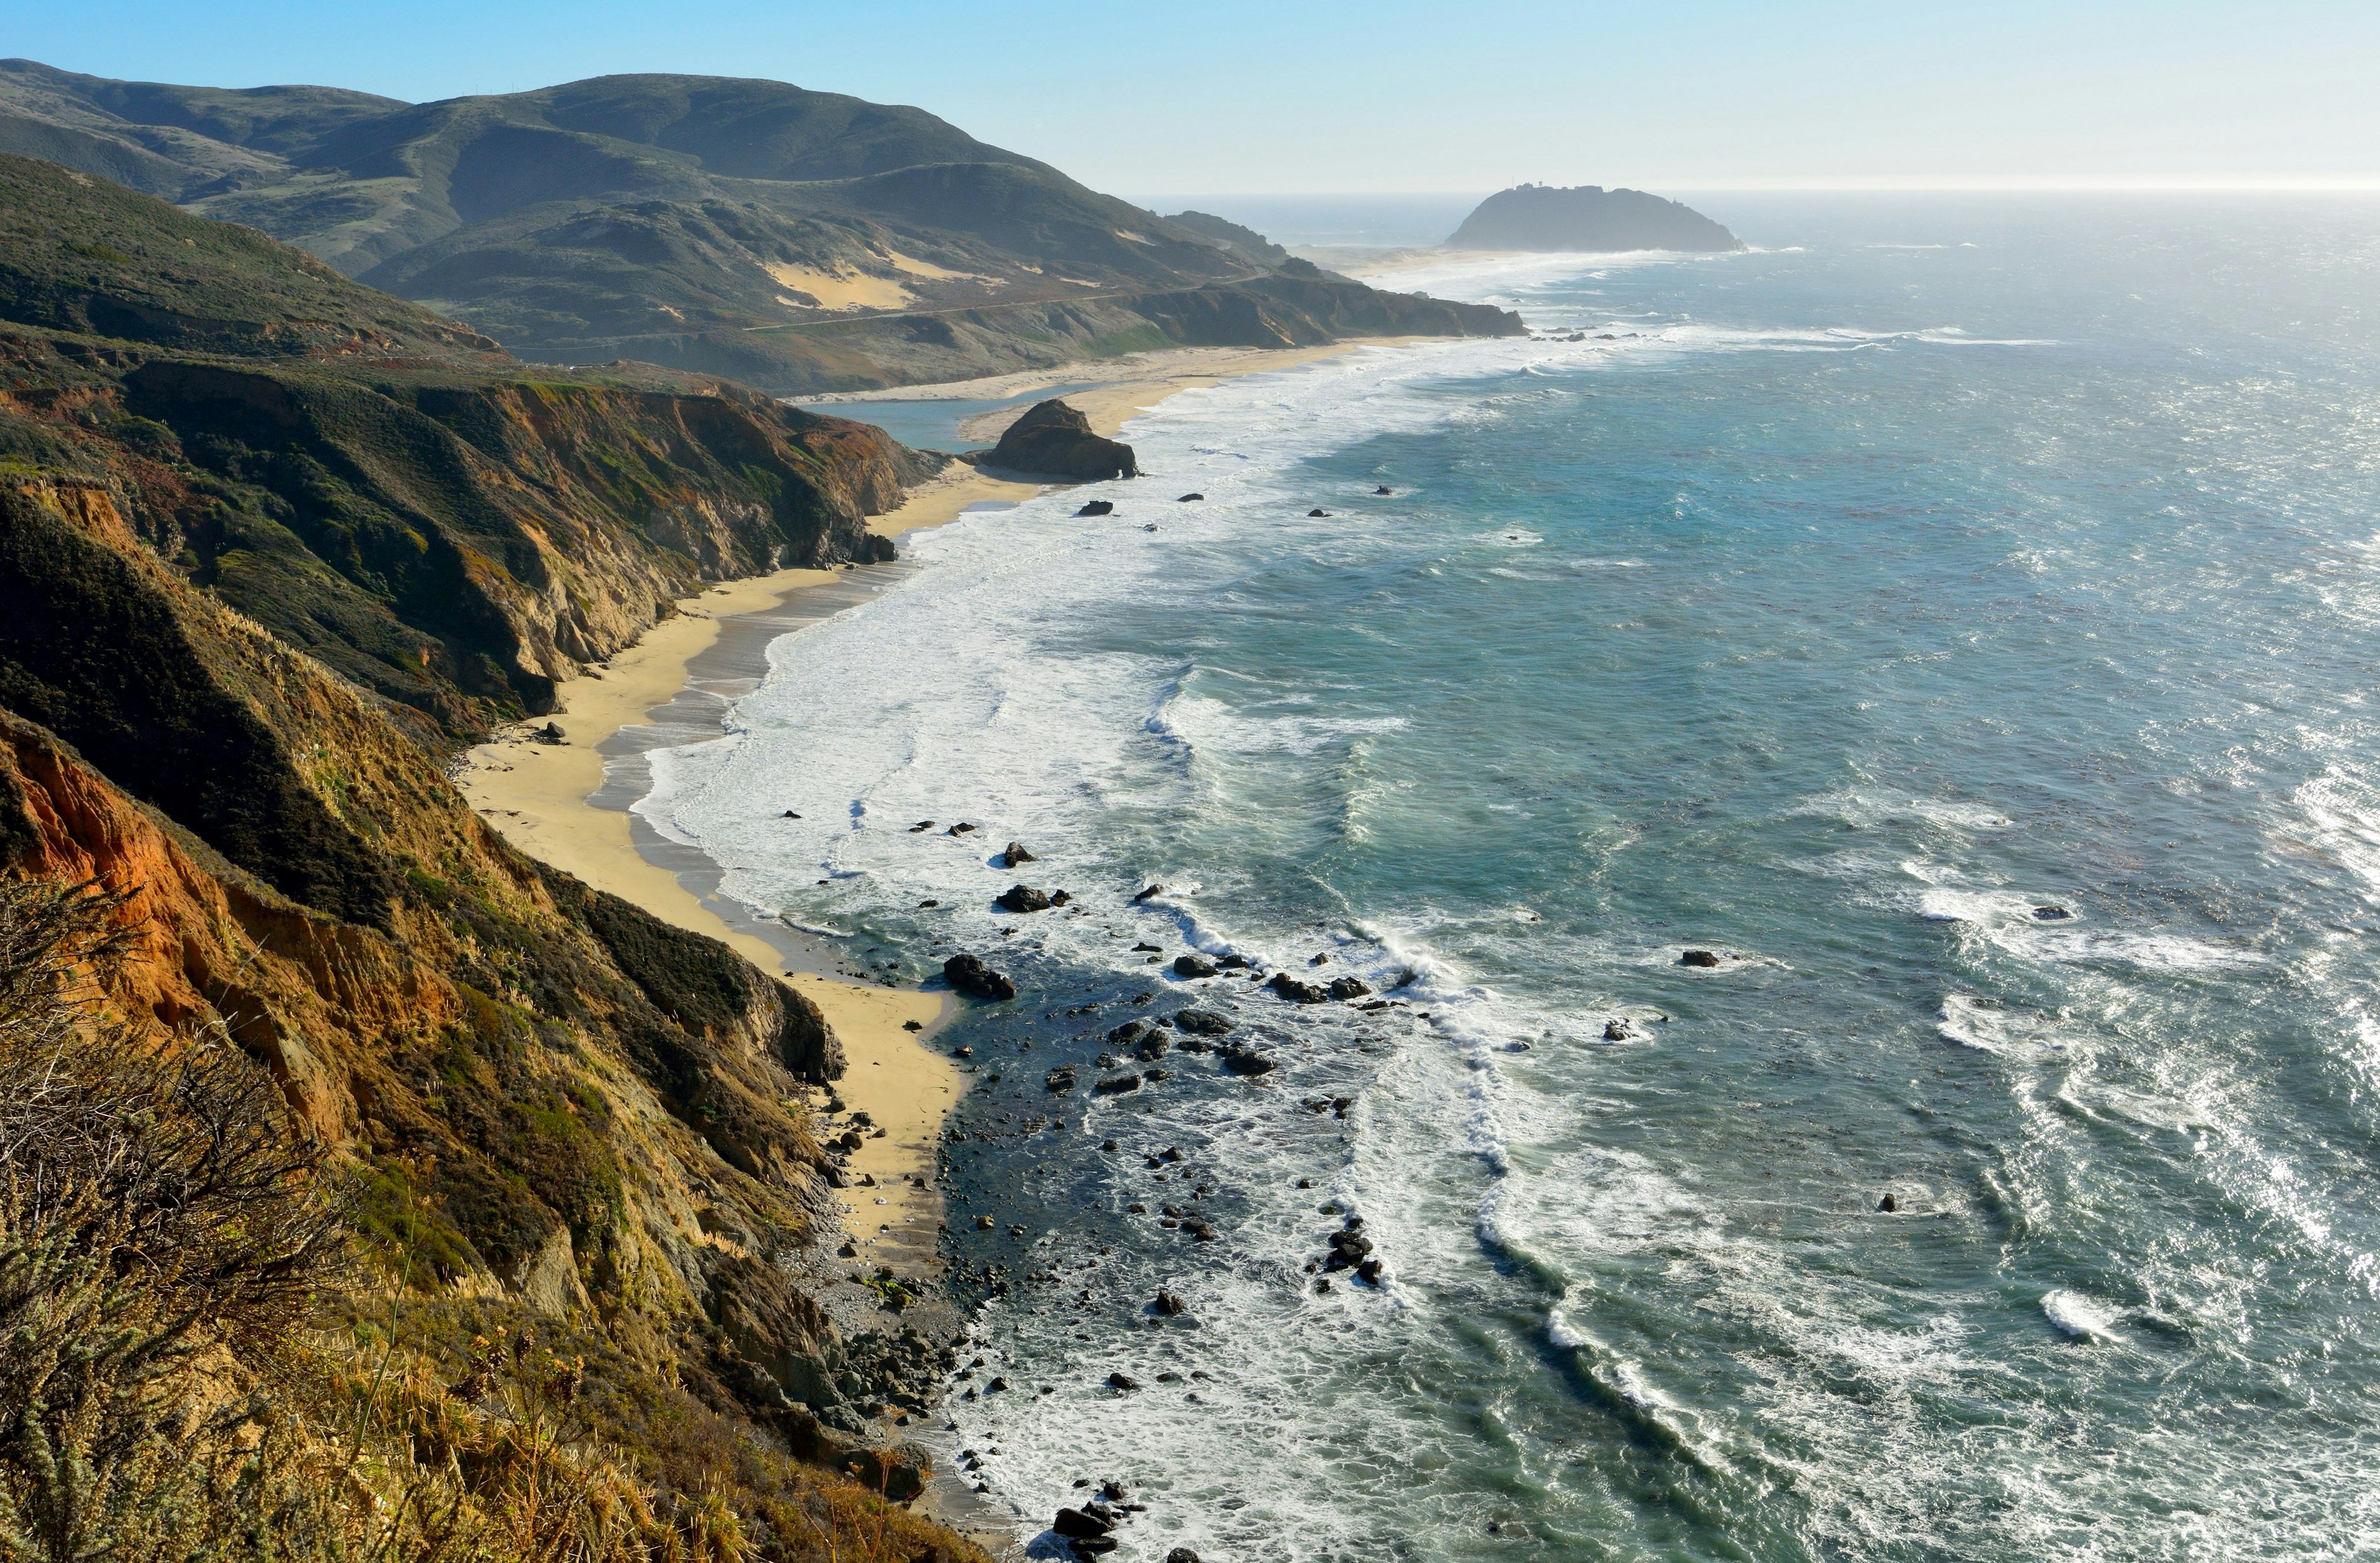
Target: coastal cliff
270, 544
446, 526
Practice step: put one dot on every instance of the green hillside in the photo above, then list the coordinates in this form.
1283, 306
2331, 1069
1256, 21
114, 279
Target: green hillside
724, 225
383, 488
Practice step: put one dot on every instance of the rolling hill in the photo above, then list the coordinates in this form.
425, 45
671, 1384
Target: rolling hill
796, 239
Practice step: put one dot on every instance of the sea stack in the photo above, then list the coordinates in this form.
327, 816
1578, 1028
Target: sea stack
1054, 440
1587, 218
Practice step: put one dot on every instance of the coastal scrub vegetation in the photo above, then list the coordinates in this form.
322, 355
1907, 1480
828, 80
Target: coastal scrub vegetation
372, 1190
207, 1355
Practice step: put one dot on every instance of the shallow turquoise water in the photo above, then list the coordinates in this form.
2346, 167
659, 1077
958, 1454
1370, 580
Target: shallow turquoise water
1938, 562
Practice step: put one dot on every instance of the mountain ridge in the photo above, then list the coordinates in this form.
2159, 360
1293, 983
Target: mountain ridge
724, 226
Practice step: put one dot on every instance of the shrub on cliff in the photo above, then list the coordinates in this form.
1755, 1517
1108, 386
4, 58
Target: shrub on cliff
198, 1361
161, 1244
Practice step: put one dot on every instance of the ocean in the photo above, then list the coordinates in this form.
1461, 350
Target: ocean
1956, 615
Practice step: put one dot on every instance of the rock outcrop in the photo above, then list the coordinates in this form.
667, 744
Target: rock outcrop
1587, 218
1052, 439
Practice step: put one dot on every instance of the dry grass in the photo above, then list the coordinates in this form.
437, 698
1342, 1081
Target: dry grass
185, 1375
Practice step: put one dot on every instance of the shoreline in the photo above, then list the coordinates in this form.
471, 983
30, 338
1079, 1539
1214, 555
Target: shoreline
569, 804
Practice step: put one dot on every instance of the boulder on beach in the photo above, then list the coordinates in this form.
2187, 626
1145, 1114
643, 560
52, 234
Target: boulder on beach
1053, 439
971, 976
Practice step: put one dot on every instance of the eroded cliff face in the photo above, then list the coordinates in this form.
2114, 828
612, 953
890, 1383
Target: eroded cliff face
549, 1093
270, 545
450, 529
458, 546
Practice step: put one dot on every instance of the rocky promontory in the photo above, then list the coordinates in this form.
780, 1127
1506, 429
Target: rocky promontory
1054, 440
1587, 218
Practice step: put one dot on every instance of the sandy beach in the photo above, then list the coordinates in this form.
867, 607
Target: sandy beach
542, 797
538, 796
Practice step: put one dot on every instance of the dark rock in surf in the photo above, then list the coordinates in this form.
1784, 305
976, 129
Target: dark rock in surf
1320, 960
1155, 1045
1296, 992
1073, 1522
1058, 1079
1704, 958
1349, 988
1198, 1023
1384, 489
1098, 507
1192, 966
2052, 913
1023, 898
1053, 439
1348, 1249
1186, 499
1122, 1382
1151, 891
1246, 1060
1888, 1204
1316, 511
1168, 1304
1014, 856
1128, 1033
972, 977
1116, 1084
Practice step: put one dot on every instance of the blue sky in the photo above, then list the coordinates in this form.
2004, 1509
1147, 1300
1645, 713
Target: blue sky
1230, 96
